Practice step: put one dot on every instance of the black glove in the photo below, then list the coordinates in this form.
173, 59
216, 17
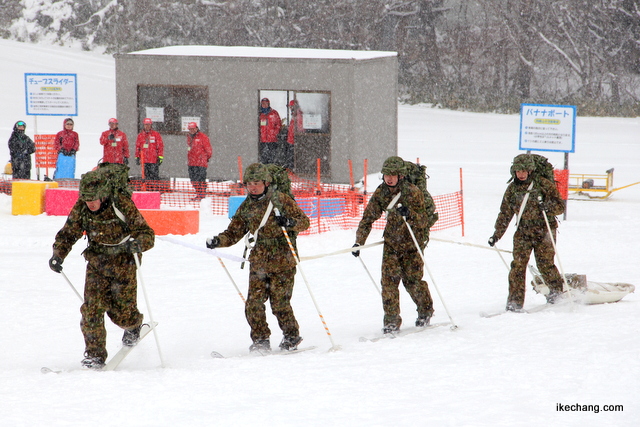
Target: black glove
213, 242
138, 161
133, 246
55, 263
403, 210
492, 241
543, 204
283, 221
112, 136
355, 253
126, 161
72, 152
65, 152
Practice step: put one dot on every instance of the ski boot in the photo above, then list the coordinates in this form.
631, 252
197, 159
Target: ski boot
423, 321
131, 336
92, 362
261, 346
290, 343
391, 328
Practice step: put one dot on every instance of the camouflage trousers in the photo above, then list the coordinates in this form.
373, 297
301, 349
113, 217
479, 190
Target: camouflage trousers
278, 289
111, 287
408, 267
525, 241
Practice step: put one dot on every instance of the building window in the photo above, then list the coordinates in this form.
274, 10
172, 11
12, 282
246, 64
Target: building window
172, 107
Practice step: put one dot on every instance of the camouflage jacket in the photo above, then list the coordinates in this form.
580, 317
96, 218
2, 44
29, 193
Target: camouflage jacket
421, 216
532, 217
103, 228
271, 252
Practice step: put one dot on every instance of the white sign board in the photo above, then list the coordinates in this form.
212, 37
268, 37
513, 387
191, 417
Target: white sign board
547, 127
185, 120
156, 114
312, 121
51, 94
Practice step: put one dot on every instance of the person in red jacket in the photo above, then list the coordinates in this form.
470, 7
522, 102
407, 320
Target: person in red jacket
295, 128
270, 124
66, 144
198, 155
149, 148
115, 143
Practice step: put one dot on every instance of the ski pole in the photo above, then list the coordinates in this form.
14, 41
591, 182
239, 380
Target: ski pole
501, 257
146, 299
565, 285
306, 282
370, 276
415, 242
72, 287
231, 278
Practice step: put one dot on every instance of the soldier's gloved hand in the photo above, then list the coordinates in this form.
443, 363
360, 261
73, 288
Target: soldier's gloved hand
355, 253
213, 242
543, 204
55, 263
160, 159
492, 241
133, 246
283, 221
138, 161
403, 210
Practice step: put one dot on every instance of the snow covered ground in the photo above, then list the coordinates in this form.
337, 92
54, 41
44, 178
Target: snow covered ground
510, 370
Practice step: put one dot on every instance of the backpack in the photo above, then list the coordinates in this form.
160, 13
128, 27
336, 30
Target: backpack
116, 178
542, 168
416, 174
280, 177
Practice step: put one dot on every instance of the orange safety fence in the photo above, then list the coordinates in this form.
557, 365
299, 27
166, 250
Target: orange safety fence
561, 176
46, 155
328, 206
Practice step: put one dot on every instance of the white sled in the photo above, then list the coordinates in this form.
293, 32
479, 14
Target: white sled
583, 291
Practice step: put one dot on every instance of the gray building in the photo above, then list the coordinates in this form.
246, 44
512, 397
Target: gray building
348, 101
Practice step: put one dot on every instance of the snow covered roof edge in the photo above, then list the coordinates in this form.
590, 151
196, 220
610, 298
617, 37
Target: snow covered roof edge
263, 52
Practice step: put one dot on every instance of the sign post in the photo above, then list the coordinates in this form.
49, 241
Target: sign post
549, 128
49, 95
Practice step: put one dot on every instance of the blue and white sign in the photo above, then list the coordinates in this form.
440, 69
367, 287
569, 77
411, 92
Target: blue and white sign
547, 127
51, 94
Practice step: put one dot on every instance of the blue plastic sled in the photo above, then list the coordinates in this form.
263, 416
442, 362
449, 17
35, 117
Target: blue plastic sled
65, 167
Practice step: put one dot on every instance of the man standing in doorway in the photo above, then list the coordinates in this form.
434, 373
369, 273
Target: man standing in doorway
199, 153
270, 124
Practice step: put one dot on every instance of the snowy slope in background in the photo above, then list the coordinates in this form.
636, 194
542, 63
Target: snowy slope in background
511, 370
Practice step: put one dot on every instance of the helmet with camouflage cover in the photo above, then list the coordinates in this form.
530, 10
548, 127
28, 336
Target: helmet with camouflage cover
256, 172
523, 162
93, 187
394, 165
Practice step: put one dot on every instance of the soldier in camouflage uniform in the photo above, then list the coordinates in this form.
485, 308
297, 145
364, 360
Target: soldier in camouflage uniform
400, 257
531, 233
273, 268
115, 229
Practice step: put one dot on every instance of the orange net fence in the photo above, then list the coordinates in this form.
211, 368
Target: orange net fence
328, 206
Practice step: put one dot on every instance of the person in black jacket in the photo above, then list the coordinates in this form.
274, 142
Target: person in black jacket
21, 147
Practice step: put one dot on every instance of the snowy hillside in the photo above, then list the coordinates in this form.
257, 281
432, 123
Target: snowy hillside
510, 370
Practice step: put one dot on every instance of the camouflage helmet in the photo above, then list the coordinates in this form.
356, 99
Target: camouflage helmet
523, 162
256, 172
394, 165
92, 187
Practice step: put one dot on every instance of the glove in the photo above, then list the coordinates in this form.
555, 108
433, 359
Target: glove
65, 152
213, 242
72, 152
543, 204
138, 161
112, 136
492, 241
355, 253
160, 159
133, 246
403, 210
126, 161
55, 263
283, 221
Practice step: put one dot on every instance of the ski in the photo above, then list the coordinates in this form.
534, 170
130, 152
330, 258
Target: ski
217, 355
125, 350
403, 333
113, 363
535, 309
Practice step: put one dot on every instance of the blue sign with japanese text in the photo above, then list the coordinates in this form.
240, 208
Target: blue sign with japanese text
547, 127
51, 94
